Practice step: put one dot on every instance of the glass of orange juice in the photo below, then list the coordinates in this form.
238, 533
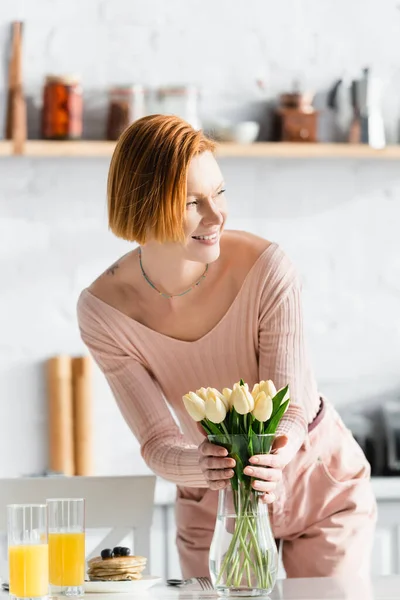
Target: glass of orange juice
66, 527
28, 556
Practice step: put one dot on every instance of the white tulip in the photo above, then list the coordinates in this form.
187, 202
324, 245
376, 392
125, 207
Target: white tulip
215, 406
241, 399
195, 406
263, 406
264, 386
202, 392
256, 389
227, 393
269, 388
217, 393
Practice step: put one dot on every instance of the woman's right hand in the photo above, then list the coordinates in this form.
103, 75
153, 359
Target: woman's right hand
215, 464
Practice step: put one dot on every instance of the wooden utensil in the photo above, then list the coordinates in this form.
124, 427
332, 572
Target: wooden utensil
60, 402
83, 420
16, 119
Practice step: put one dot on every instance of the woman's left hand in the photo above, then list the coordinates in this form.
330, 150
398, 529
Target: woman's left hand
267, 469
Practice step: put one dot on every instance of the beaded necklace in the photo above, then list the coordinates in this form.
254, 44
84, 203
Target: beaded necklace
170, 295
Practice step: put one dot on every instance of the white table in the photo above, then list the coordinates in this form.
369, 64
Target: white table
383, 588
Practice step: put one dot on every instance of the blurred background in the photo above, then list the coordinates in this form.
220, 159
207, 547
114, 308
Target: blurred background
304, 97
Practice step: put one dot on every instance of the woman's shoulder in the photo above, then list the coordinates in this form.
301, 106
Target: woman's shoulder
109, 288
264, 261
110, 285
238, 243
246, 250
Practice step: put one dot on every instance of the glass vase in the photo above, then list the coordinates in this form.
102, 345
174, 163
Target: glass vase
243, 553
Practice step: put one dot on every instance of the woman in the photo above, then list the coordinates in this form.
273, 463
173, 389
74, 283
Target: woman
195, 305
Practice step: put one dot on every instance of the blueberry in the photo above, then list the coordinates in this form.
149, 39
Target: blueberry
106, 553
124, 551
117, 551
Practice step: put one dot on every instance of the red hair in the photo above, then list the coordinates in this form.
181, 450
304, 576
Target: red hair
146, 186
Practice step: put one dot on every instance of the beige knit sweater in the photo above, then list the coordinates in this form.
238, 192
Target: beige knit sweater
260, 337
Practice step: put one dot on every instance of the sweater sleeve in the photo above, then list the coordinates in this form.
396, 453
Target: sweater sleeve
282, 352
163, 447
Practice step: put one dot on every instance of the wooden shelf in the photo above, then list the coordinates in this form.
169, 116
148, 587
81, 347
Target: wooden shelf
80, 148
6, 148
292, 150
93, 149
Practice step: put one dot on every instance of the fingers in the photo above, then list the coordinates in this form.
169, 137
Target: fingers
217, 467
268, 498
264, 486
208, 449
264, 474
265, 480
218, 485
212, 462
268, 460
218, 474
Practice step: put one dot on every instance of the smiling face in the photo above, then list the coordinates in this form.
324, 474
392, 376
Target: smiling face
206, 209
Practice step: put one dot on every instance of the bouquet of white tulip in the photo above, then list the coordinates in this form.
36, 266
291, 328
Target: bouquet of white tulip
239, 411
244, 423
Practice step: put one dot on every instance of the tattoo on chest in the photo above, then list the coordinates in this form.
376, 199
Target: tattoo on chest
111, 270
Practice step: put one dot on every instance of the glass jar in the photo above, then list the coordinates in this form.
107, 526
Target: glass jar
181, 101
126, 105
62, 108
243, 554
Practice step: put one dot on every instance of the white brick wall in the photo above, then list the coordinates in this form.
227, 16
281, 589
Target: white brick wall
337, 219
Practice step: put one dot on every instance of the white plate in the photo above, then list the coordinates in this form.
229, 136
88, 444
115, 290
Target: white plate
120, 587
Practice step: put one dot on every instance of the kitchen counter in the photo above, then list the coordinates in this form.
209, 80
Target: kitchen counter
385, 488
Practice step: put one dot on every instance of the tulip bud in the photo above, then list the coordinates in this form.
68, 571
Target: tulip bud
241, 399
202, 392
269, 388
264, 386
263, 407
195, 406
227, 393
215, 406
217, 393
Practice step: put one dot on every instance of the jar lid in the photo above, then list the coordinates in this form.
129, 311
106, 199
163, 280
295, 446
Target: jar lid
135, 88
64, 79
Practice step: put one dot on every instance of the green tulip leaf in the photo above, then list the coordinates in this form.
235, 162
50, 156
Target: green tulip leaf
205, 427
214, 428
274, 422
277, 399
251, 439
235, 421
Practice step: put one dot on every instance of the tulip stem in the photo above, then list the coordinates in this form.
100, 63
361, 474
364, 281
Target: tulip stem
225, 429
247, 560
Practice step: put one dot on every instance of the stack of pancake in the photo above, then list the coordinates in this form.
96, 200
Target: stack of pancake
117, 568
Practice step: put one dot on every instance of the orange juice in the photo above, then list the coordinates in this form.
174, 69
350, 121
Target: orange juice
67, 559
29, 570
